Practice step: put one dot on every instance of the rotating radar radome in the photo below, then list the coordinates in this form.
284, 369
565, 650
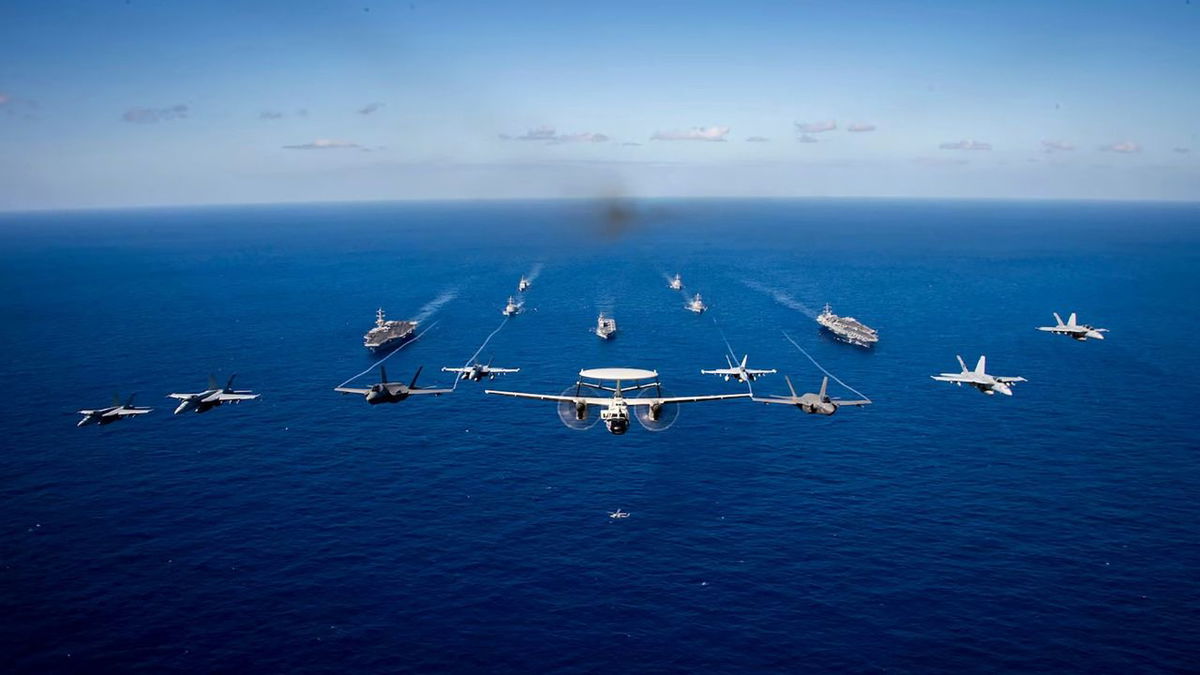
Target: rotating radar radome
579, 417
654, 418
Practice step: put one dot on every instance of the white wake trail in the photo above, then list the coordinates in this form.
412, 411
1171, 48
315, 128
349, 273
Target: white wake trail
533, 273
781, 297
435, 304
814, 361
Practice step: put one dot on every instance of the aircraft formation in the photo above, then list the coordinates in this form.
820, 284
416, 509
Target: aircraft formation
619, 394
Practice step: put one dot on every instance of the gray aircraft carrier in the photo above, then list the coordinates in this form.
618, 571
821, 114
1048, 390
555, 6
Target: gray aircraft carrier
847, 328
388, 334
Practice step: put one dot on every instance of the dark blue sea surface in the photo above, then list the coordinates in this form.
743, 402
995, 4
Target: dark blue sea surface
937, 530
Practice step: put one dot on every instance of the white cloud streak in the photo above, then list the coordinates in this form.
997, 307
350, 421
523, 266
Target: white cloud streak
713, 134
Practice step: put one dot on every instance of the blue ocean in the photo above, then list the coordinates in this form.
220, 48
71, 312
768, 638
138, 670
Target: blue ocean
936, 530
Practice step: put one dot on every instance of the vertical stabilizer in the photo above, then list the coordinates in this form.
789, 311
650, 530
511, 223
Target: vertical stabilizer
1071, 320
1058, 319
961, 363
981, 367
790, 387
824, 386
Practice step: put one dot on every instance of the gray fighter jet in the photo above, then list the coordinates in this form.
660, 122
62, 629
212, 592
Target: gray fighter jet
813, 404
113, 413
391, 392
1074, 330
738, 371
978, 378
477, 371
212, 397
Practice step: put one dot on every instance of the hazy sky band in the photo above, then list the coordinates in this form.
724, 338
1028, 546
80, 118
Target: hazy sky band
107, 103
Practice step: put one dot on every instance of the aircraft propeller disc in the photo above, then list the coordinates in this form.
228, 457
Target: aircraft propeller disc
666, 416
567, 413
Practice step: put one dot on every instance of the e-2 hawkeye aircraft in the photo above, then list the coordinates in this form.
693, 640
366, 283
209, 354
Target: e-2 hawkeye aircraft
649, 410
113, 413
391, 392
818, 404
212, 397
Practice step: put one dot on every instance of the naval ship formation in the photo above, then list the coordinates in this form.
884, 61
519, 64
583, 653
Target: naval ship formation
847, 328
388, 334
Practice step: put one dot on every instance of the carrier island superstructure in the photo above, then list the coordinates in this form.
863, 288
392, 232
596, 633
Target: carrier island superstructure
847, 328
388, 334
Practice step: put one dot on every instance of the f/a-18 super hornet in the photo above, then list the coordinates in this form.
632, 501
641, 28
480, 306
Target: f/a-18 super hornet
1074, 330
978, 378
477, 371
212, 397
391, 392
113, 413
813, 404
653, 410
738, 371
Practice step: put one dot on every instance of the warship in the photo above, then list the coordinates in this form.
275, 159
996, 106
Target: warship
606, 326
676, 283
388, 334
523, 285
847, 328
512, 308
696, 305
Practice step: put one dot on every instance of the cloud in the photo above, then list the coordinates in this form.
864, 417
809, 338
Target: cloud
1181, 150
758, 139
965, 145
550, 135
858, 128
631, 144
1056, 146
324, 144
370, 108
1123, 147
270, 115
805, 138
940, 161
693, 134
4, 98
154, 115
815, 127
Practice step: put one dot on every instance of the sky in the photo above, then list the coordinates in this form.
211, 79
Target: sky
116, 103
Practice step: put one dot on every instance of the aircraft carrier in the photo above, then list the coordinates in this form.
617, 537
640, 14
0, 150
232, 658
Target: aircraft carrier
388, 334
847, 328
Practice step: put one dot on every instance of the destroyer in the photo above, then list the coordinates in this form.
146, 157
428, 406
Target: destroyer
676, 283
523, 285
847, 328
512, 308
696, 305
606, 326
388, 334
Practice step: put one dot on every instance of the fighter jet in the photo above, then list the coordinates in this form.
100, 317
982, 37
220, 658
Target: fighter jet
113, 413
988, 384
1075, 331
211, 397
477, 371
738, 371
813, 404
391, 392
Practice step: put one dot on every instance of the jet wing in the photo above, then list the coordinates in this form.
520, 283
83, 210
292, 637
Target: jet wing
181, 397
1010, 379
1055, 329
503, 370
680, 399
236, 397
839, 402
590, 400
435, 392
723, 371
121, 412
951, 377
352, 390
775, 399
752, 371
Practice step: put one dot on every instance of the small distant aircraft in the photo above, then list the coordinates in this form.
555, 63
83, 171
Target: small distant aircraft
512, 308
212, 397
1075, 331
813, 404
524, 284
615, 413
676, 284
738, 371
978, 378
391, 392
113, 413
477, 371
696, 305
618, 514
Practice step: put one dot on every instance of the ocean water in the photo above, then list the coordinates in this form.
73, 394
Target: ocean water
937, 530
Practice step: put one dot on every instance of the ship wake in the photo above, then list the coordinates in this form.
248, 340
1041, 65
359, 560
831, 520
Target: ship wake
781, 297
435, 304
